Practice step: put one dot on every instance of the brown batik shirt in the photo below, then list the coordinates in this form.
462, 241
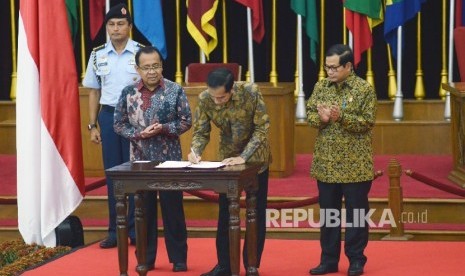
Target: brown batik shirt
242, 121
343, 150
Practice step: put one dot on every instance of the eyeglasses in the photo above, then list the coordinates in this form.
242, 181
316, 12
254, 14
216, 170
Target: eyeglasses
151, 68
332, 68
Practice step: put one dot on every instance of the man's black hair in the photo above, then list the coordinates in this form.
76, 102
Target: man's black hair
343, 51
220, 77
148, 50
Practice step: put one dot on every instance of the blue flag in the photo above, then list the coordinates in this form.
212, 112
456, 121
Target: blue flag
397, 13
148, 18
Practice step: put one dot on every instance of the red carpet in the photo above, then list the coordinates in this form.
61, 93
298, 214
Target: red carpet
435, 166
299, 184
384, 258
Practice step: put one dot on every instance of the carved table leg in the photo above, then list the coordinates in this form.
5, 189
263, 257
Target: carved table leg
234, 232
251, 233
121, 231
141, 233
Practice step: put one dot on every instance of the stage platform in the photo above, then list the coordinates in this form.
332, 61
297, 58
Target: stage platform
445, 220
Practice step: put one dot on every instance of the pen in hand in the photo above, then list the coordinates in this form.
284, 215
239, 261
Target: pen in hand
195, 158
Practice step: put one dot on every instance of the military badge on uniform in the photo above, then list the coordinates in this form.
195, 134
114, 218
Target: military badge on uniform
103, 67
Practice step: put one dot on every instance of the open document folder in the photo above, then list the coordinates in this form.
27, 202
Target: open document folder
187, 164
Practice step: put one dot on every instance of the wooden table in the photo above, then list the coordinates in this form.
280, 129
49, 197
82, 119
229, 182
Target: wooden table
135, 178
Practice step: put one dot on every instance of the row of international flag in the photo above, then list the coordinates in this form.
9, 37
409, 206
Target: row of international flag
50, 179
148, 18
361, 17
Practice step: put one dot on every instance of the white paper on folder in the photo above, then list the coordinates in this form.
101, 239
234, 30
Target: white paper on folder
187, 164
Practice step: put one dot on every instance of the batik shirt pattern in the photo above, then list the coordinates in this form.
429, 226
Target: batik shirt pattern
242, 121
343, 150
138, 108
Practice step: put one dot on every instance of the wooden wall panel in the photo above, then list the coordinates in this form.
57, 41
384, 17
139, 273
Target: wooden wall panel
389, 137
423, 130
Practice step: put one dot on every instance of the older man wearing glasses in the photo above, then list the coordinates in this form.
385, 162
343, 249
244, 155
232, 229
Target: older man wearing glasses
342, 107
152, 114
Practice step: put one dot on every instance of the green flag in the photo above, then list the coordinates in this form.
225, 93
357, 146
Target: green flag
307, 9
371, 8
72, 10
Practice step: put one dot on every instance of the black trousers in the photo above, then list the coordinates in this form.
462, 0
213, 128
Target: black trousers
222, 234
174, 224
356, 235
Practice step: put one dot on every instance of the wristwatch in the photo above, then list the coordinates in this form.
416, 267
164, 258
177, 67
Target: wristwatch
91, 126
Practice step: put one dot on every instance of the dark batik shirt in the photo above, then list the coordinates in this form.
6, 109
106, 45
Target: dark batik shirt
343, 150
242, 121
139, 107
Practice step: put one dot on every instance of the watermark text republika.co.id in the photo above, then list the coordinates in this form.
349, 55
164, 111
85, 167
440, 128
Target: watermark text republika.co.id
298, 217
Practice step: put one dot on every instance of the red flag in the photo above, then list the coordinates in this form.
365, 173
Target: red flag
358, 24
201, 24
459, 13
258, 24
50, 183
96, 16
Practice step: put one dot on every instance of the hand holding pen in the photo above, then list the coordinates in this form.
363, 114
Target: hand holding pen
193, 157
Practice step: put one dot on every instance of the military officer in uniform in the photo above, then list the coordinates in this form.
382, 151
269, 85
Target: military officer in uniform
109, 70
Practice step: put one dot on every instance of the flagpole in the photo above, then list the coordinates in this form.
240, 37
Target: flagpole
130, 12
370, 75
273, 73
451, 58
201, 56
398, 112
107, 8
392, 86
250, 77
321, 73
13, 51
296, 74
225, 36
451, 40
83, 42
178, 75
351, 40
444, 78
419, 86
300, 112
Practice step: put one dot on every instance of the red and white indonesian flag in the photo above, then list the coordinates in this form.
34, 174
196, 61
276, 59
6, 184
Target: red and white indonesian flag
48, 136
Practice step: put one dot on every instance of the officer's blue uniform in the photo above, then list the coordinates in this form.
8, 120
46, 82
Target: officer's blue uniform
111, 72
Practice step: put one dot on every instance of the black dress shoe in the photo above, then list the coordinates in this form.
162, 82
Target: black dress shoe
177, 267
322, 269
355, 269
108, 243
218, 271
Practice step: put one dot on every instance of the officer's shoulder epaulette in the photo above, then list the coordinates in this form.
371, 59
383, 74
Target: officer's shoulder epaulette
140, 45
99, 47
